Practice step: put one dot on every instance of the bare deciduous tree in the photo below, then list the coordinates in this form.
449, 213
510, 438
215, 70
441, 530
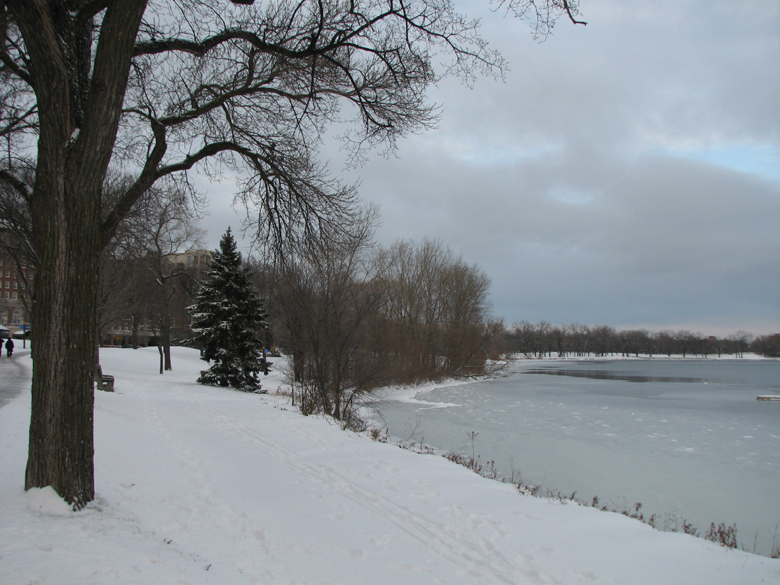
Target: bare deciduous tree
161, 227
739, 342
435, 310
327, 297
177, 85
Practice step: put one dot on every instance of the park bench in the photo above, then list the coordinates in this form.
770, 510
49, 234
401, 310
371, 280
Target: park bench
104, 381
107, 383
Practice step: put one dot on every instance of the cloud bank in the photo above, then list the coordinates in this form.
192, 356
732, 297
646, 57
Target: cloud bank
625, 173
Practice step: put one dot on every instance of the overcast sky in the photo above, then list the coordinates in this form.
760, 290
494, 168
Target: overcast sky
626, 173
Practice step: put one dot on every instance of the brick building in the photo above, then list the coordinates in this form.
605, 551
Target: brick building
16, 277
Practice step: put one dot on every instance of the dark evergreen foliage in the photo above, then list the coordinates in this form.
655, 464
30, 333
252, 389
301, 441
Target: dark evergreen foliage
228, 320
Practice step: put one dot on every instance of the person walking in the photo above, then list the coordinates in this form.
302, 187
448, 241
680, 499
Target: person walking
9, 347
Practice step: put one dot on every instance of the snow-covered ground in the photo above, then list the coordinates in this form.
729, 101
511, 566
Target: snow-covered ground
208, 485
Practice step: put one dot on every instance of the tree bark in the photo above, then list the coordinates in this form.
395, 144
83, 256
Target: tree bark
64, 335
65, 209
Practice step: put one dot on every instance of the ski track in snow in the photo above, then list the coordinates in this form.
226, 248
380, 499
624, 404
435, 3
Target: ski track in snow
458, 548
223, 516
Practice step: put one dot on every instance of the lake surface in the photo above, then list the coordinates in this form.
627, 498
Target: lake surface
686, 438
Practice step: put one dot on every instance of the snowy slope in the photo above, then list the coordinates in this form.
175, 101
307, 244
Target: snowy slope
207, 485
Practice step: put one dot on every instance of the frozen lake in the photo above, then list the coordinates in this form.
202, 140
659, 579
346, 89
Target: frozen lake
686, 438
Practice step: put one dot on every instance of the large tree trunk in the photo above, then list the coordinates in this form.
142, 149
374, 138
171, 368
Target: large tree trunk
64, 335
66, 215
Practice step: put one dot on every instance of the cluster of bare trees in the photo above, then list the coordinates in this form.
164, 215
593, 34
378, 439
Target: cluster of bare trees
767, 345
434, 312
321, 306
543, 339
354, 317
140, 279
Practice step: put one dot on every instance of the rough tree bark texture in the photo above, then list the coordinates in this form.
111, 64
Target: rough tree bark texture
78, 124
64, 338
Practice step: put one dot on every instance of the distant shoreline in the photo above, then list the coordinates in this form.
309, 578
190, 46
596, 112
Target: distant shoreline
748, 356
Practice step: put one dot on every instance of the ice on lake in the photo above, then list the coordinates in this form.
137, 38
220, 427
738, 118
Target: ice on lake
686, 438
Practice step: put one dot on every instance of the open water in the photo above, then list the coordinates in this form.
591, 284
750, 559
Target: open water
686, 438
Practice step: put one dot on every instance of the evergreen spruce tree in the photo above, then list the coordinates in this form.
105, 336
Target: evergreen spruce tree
228, 320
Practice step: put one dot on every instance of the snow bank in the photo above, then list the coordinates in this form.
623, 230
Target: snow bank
409, 394
209, 485
46, 501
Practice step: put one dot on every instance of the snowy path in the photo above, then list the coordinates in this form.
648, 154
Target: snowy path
13, 375
206, 485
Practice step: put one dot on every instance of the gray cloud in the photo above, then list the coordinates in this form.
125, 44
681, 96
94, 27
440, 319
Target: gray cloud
626, 173
581, 237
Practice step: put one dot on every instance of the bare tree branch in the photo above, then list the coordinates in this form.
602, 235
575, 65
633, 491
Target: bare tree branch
166, 87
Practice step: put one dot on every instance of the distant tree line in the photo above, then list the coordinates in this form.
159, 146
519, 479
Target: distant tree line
543, 339
767, 345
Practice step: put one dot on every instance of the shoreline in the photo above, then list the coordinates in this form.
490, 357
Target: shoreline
409, 394
440, 432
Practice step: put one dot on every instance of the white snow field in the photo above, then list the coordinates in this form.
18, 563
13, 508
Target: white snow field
208, 485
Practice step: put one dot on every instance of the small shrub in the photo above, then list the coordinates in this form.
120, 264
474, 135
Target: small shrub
723, 535
464, 460
490, 470
378, 436
635, 513
652, 521
353, 421
557, 496
286, 392
528, 490
688, 528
